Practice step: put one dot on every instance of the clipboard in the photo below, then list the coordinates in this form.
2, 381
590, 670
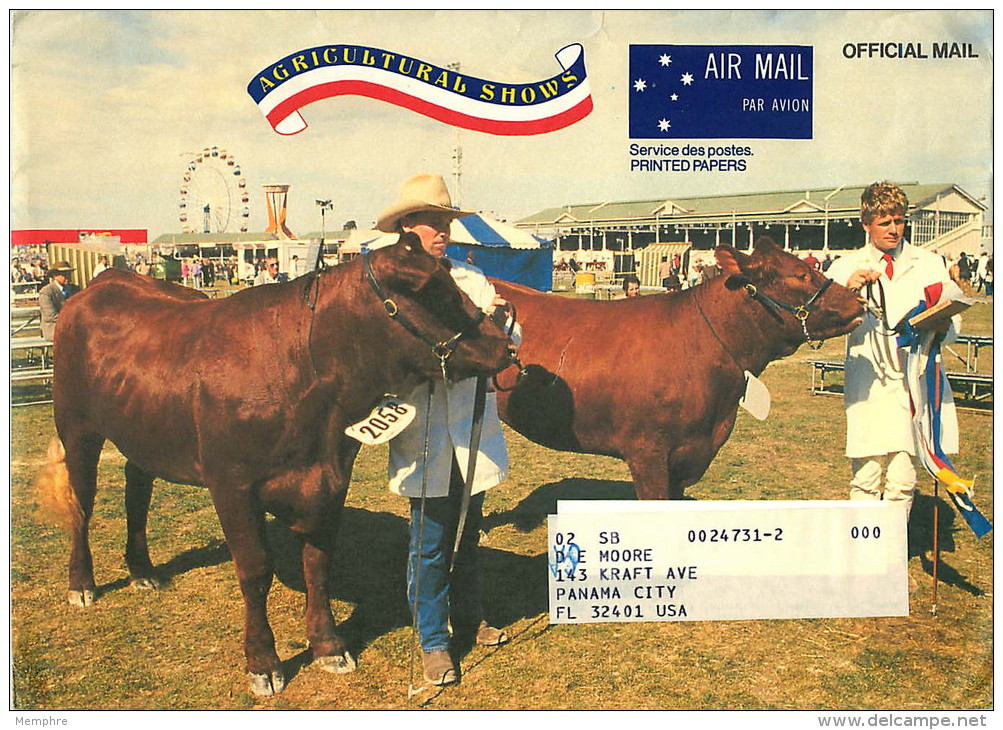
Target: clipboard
938, 313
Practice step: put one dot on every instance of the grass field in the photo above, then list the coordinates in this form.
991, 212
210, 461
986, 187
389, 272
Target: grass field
181, 647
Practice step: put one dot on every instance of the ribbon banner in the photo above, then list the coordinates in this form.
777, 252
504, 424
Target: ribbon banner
283, 88
928, 386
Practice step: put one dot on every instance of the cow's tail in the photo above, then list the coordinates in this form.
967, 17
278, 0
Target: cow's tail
57, 502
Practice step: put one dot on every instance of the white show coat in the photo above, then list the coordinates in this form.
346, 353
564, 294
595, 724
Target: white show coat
451, 421
878, 416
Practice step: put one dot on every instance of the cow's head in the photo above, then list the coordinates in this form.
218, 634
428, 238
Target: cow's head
442, 331
805, 303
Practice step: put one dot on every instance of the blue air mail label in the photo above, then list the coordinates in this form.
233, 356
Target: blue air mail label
385, 421
718, 561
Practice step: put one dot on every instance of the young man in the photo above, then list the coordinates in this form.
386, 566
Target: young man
894, 275
443, 599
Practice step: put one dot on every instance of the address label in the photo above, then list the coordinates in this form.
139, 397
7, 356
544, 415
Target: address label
720, 561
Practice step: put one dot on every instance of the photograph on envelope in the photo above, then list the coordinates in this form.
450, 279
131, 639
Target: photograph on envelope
502, 360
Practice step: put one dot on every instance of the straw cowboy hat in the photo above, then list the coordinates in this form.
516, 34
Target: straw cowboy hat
419, 193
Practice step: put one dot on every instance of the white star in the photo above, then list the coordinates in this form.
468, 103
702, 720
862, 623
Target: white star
665, 60
640, 85
687, 79
674, 97
663, 125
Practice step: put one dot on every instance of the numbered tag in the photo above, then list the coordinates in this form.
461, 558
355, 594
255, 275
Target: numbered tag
387, 420
757, 397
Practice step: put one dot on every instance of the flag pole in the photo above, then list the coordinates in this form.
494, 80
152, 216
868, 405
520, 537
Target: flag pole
936, 541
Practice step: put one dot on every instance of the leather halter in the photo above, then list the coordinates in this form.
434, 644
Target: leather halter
442, 349
800, 311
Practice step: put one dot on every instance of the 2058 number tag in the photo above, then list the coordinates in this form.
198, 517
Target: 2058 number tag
386, 421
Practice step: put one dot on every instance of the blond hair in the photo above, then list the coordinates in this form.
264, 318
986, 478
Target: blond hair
880, 199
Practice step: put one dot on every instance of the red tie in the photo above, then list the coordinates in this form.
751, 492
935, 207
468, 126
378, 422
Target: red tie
889, 269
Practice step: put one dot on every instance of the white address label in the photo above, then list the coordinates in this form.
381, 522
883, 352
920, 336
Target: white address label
385, 422
718, 561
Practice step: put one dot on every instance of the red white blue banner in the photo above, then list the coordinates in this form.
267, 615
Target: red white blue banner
282, 89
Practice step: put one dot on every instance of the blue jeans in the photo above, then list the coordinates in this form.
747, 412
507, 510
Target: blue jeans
443, 596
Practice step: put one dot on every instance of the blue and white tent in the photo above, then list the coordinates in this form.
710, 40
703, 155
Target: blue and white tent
502, 251
497, 249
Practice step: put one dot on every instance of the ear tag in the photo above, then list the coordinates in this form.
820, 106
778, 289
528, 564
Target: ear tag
757, 397
387, 420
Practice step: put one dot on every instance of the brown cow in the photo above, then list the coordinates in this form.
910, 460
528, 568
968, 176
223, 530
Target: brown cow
250, 396
656, 381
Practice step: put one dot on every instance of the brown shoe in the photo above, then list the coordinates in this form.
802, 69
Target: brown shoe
439, 668
490, 636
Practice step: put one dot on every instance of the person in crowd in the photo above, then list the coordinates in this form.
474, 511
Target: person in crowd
208, 273
672, 283
142, 267
965, 269
102, 265
980, 271
16, 271
880, 441
826, 263
664, 271
989, 276
270, 273
441, 599
813, 261
631, 287
53, 296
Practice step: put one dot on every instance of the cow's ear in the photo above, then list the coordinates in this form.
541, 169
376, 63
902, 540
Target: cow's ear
731, 261
409, 241
735, 265
415, 267
765, 244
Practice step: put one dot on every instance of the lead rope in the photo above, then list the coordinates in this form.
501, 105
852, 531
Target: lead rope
411, 691
886, 356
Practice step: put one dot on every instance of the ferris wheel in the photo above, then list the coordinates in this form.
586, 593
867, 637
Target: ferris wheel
213, 194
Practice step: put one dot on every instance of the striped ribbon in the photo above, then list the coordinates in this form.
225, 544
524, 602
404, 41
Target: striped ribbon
927, 383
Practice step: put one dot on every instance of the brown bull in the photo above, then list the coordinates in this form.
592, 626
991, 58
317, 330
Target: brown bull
250, 396
657, 381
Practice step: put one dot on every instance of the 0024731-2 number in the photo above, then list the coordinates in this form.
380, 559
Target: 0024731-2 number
735, 534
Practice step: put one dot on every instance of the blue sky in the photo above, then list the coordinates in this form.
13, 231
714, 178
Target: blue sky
105, 104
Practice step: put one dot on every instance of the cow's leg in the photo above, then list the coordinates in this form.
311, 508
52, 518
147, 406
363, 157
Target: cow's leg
82, 455
649, 466
243, 523
329, 651
138, 490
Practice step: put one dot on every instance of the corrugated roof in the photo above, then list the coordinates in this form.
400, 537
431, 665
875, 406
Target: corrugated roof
772, 203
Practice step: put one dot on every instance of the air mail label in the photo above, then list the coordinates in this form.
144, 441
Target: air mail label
727, 561
718, 92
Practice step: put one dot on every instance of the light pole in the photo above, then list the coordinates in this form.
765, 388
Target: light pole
324, 205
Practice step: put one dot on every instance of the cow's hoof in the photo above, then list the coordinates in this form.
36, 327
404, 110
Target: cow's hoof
81, 598
148, 583
336, 663
266, 685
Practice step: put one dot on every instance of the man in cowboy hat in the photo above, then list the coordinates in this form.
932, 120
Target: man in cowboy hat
440, 598
53, 296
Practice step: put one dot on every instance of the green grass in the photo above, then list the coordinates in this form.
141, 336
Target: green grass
180, 648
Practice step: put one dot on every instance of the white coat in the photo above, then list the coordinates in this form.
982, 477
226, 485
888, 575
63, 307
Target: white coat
878, 416
451, 421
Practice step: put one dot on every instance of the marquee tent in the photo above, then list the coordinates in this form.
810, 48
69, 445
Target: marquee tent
498, 249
